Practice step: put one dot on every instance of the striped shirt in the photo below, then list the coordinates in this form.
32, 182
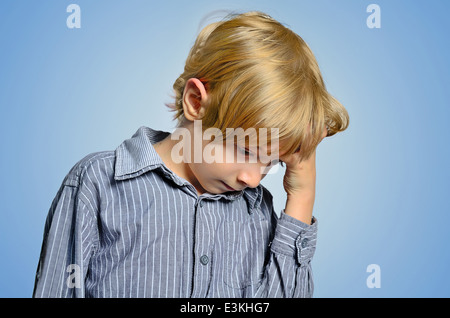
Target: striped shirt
123, 225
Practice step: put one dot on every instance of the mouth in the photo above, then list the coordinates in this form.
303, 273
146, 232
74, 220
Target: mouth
228, 187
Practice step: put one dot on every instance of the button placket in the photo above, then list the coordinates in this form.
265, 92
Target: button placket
202, 243
204, 259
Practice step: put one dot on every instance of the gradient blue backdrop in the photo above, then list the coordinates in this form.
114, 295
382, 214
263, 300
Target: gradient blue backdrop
383, 185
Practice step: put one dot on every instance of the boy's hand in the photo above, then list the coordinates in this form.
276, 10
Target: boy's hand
300, 185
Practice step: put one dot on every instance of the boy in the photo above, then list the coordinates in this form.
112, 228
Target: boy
158, 218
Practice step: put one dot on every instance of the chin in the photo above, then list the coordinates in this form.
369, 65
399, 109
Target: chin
209, 189
217, 191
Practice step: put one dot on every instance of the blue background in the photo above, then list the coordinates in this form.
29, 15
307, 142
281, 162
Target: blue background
382, 185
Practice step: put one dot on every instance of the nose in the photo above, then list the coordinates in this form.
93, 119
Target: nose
250, 177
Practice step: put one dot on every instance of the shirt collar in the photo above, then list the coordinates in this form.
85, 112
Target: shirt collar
136, 156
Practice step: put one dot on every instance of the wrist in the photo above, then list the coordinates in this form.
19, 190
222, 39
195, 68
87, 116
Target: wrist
300, 206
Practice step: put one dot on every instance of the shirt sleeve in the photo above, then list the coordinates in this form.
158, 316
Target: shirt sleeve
288, 272
70, 238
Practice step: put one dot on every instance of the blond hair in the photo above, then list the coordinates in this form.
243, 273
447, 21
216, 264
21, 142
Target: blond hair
259, 73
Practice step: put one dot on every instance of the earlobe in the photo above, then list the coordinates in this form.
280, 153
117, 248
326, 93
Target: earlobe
194, 99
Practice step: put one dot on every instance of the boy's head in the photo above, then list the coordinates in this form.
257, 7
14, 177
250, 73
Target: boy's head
250, 71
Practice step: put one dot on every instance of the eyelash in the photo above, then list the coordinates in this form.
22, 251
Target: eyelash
246, 152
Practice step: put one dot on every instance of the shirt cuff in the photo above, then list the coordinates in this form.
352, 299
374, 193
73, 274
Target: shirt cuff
295, 239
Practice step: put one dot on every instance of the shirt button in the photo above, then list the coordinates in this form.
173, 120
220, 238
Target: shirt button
304, 243
204, 259
200, 204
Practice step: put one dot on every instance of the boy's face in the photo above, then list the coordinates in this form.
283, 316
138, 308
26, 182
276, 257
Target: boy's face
229, 166
241, 167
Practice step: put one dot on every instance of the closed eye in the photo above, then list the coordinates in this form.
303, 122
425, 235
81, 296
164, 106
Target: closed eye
244, 150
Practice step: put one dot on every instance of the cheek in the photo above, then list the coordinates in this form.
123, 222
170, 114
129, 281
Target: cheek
219, 171
205, 170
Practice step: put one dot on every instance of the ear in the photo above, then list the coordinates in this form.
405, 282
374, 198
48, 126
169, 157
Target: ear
195, 99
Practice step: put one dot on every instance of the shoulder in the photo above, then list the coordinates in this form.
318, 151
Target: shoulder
91, 167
